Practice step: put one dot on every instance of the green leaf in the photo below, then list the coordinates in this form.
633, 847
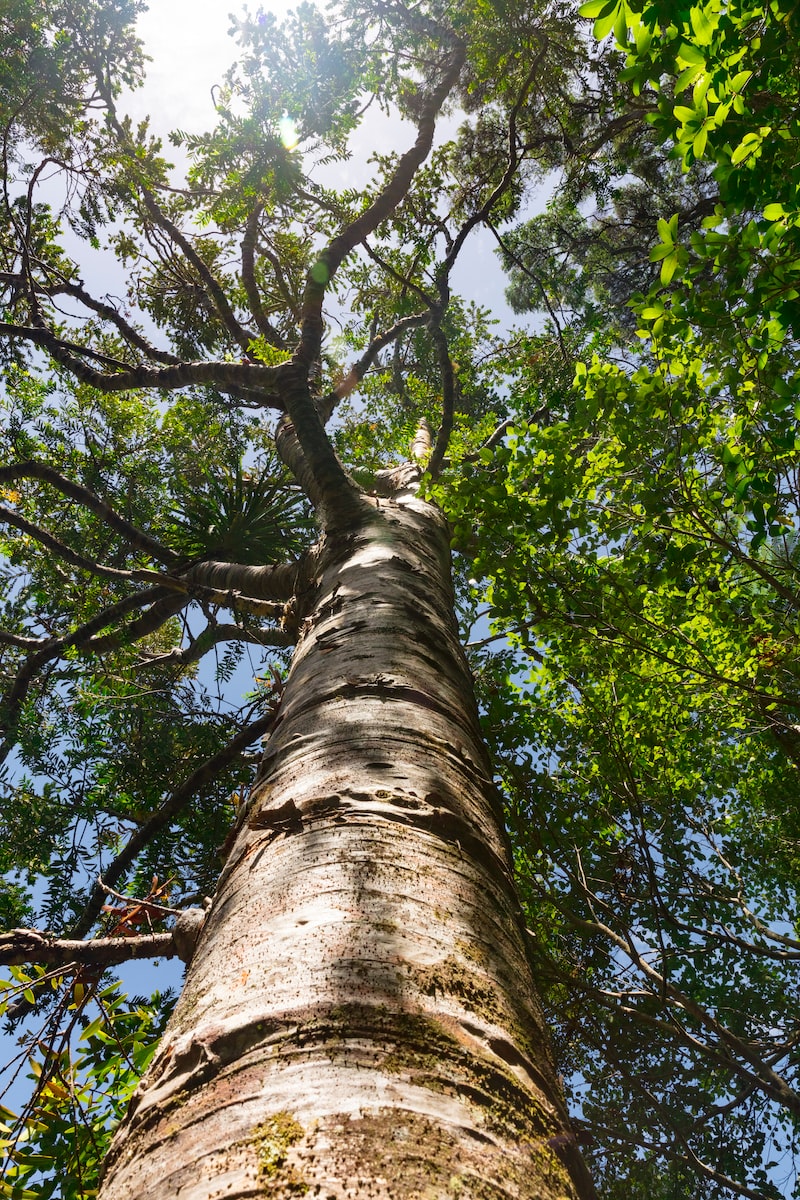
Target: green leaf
691, 54
688, 76
740, 81
597, 8
702, 27
668, 268
700, 142
749, 143
666, 230
605, 23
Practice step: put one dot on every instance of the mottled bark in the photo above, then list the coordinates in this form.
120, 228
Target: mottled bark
359, 1018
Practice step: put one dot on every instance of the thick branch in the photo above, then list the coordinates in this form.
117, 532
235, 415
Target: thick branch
20, 641
31, 946
382, 207
421, 444
290, 452
159, 612
276, 581
249, 376
335, 496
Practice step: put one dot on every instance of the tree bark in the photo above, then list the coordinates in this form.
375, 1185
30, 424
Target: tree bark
359, 1018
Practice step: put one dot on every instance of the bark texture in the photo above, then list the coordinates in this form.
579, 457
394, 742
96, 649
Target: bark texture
359, 1018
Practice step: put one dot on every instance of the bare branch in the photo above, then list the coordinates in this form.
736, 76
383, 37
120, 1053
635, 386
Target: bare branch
23, 643
66, 287
243, 337
9, 517
265, 327
359, 368
32, 946
211, 636
275, 581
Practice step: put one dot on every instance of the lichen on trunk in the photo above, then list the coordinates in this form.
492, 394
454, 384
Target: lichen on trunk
358, 1019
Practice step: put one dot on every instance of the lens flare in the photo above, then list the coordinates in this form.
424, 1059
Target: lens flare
287, 132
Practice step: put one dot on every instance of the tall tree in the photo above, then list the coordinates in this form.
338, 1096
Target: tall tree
359, 1014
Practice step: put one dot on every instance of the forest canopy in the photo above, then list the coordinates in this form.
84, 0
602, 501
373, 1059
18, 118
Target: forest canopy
619, 470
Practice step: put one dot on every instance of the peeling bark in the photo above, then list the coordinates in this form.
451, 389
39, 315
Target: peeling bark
359, 1018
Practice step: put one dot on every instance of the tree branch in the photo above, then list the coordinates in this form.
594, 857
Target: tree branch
160, 819
265, 326
65, 287
381, 207
30, 469
159, 612
359, 368
512, 164
62, 551
211, 636
53, 648
339, 492
449, 388
243, 337
248, 376
275, 581
32, 946
770, 1082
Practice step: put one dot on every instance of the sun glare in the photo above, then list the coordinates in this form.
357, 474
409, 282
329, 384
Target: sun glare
287, 132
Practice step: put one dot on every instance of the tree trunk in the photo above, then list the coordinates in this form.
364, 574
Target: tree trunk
359, 1019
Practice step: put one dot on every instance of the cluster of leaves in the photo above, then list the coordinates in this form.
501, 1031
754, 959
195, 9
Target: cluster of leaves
639, 538
651, 769
84, 1065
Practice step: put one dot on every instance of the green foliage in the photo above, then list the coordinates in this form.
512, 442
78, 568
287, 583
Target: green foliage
98, 1044
239, 515
639, 543
650, 764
